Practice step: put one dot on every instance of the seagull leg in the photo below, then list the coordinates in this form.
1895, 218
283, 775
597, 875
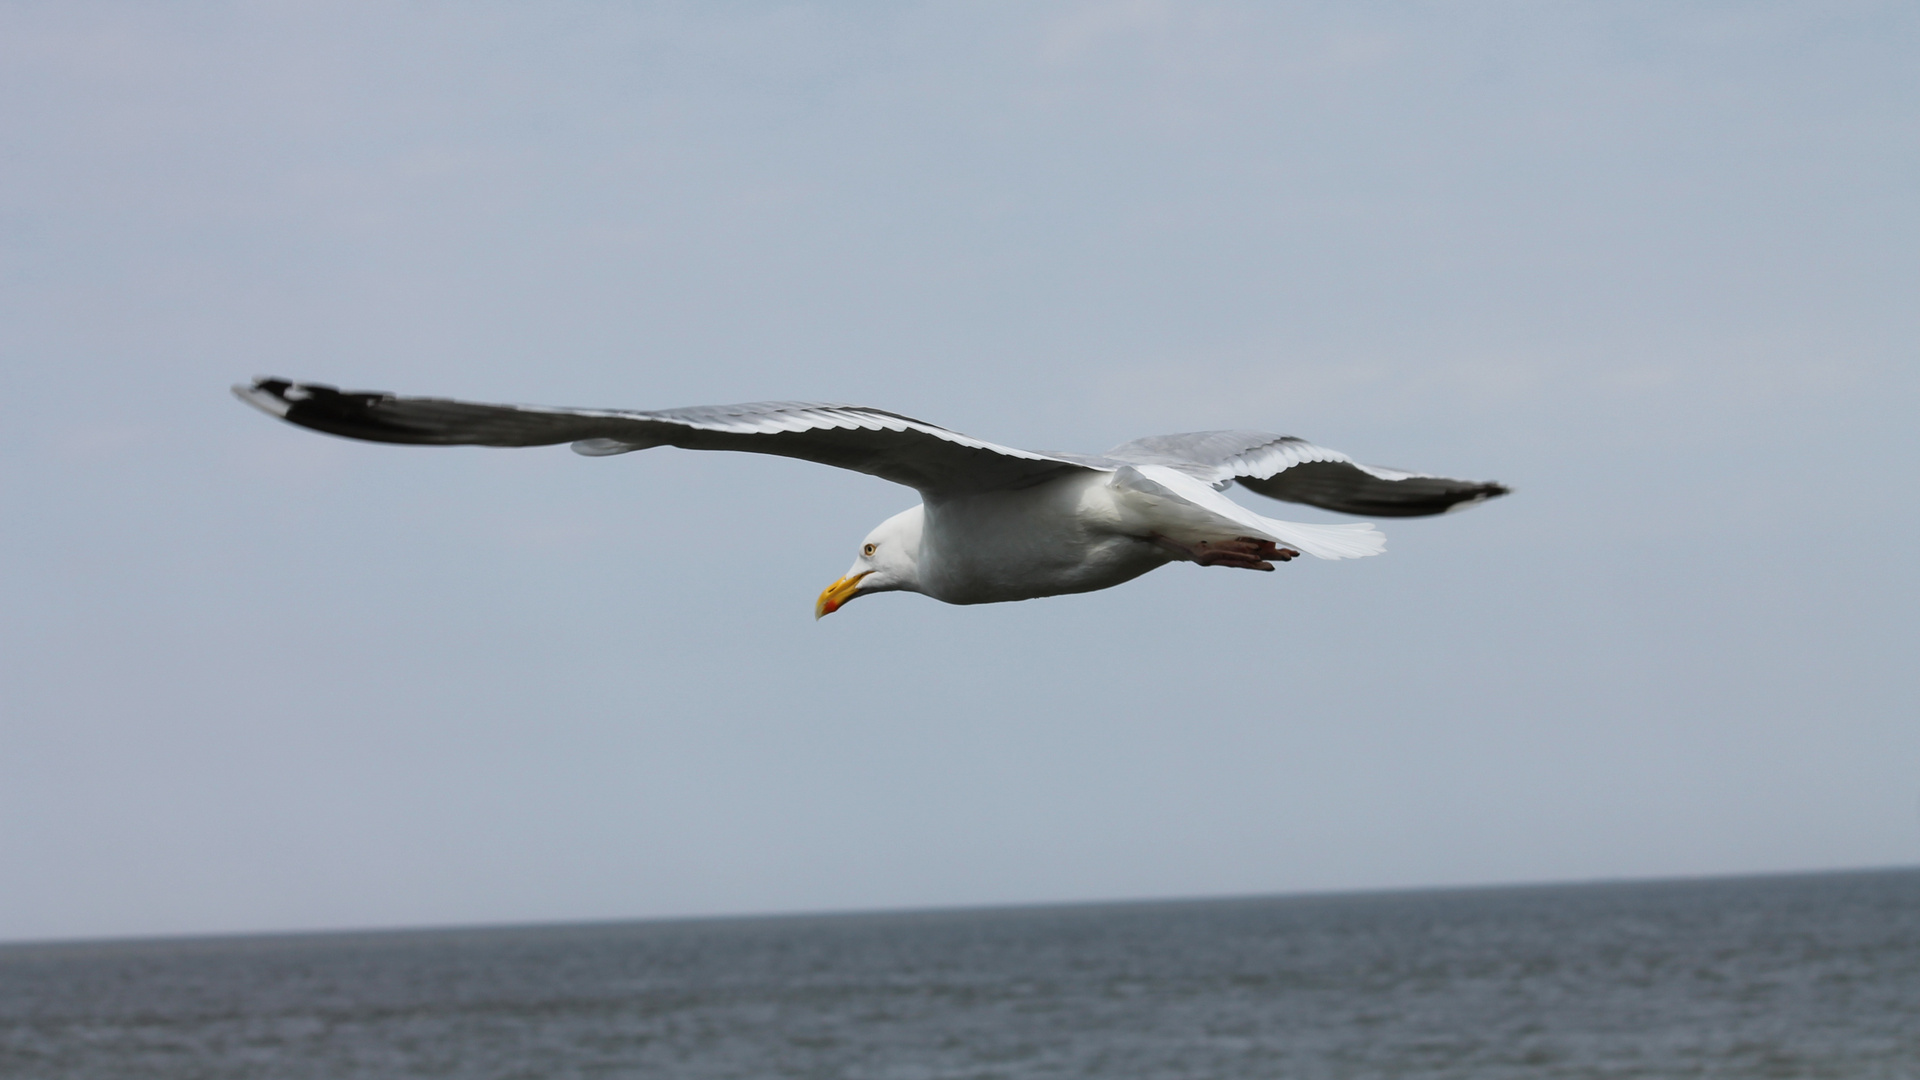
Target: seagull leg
1241, 552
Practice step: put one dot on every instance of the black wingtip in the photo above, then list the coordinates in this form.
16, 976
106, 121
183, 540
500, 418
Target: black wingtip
266, 394
1478, 494
350, 413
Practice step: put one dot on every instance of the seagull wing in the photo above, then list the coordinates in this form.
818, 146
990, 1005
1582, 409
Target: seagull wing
873, 441
1295, 470
1177, 506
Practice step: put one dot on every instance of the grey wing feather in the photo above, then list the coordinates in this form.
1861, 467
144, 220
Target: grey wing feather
1295, 470
873, 441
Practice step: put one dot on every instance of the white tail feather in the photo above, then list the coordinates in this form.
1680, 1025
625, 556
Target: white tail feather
1347, 541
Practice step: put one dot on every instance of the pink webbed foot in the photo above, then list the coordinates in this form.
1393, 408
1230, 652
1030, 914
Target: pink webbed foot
1241, 552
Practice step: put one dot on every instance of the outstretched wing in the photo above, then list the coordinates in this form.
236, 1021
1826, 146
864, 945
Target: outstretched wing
1284, 467
879, 443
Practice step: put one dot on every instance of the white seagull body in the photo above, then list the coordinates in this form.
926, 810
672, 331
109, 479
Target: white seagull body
994, 523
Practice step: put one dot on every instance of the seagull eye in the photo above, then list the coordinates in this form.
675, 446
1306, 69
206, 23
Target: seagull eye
869, 550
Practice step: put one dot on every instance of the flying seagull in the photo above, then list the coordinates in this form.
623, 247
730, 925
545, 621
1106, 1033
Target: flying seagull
994, 523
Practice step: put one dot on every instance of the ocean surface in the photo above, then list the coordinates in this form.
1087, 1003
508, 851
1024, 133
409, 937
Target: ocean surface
1802, 976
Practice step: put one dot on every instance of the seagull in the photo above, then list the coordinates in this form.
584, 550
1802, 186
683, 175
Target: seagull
994, 523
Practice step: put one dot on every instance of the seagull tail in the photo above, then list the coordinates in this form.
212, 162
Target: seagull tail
1344, 541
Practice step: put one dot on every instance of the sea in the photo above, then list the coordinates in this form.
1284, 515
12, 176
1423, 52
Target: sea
1795, 976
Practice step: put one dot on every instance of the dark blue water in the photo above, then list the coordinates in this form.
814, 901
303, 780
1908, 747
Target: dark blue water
1806, 976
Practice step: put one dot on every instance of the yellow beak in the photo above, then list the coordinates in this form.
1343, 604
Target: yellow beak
837, 594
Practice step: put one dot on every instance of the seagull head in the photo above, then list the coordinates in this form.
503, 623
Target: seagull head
889, 561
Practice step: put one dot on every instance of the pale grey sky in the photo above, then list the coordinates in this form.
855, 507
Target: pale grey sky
1655, 265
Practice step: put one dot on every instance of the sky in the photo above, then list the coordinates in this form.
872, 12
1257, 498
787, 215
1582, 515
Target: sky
1656, 266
